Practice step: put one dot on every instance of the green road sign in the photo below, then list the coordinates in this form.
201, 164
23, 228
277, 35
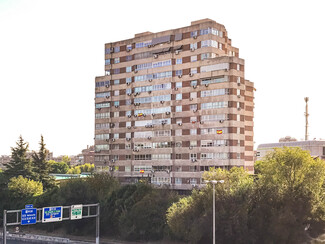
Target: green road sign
76, 212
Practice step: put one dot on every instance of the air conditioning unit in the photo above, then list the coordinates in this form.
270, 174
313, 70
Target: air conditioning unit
176, 52
206, 85
135, 71
135, 115
221, 121
179, 76
138, 93
163, 122
194, 87
149, 92
107, 86
238, 108
112, 49
111, 125
180, 124
99, 108
168, 113
128, 83
129, 94
238, 83
149, 46
128, 50
176, 88
194, 37
129, 115
201, 122
107, 97
162, 102
238, 96
193, 160
134, 127
191, 98
150, 80
107, 140
195, 110
129, 127
144, 115
128, 138
113, 139
149, 137
153, 115
135, 150
155, 56
190, 147
192, 49
113, 160
116, 106
191, 74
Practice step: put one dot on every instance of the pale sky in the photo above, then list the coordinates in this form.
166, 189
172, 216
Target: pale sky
52, 50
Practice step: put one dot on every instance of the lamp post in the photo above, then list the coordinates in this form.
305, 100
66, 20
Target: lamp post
214, 182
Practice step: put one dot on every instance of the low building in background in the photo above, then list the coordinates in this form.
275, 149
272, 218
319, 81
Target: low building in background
315, 147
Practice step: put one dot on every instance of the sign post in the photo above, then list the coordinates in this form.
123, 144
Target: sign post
28, 215
52, 214
76, 212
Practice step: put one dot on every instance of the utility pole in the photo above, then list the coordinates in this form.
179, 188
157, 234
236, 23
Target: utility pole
306, 115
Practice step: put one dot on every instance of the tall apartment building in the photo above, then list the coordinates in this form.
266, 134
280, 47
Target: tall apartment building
171, 105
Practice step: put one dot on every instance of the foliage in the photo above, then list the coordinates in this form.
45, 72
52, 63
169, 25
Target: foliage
74, 170
21, 187
81, 168
58, 167
19, 163
66, 159
42, 166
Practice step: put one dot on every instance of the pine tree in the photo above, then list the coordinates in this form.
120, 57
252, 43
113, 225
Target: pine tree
19, 164
42, 166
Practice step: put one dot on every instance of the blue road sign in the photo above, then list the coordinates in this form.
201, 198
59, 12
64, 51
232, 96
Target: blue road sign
29, 206
28, 216
52, 214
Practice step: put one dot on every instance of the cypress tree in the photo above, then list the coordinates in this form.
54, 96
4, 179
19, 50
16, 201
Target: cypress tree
42, 166
19, 164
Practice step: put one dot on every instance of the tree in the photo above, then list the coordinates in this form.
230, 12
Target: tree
58, 167
22, 187
74, 170
19, 164
66, 159
42, 166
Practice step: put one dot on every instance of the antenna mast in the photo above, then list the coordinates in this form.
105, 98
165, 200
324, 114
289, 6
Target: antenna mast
306, 115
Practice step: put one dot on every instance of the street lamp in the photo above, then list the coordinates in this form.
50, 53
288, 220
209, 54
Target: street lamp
214, 182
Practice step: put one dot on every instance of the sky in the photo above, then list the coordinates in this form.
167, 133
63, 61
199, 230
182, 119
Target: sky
52, 50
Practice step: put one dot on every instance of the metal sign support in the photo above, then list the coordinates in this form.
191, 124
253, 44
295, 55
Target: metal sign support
39, 213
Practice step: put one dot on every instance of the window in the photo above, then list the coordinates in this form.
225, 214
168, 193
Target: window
178, 181
116, 146
238, 155
128, 157
129, 47
193, 70
193, 95
193, 33
128, 135
193, 120
194, 83
179, 72
127, 113
179, 96
178, 156
238, 66
193, 143
220, 46
193, 181
193, 156
117, 103
216, 92
209, 43
193, 45
178, 84
101, 147
178, 108
107, 61
128, 80
208, 55
116, 49
116, 136
179, 61
193, 107
178, 144
116, 114
128, 124
116, 71
193, 132
116, 82
116, 60
178, 132
214, 105
127, 146
194, 58
128, 58
192, 168
117, 93
107, 72
128, 168
214, 80
128, 69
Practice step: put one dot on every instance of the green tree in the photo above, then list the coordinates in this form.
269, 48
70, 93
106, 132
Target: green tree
87, 167
66, 159
58, 167
19, 164
74, 170
21, 187
42, 166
